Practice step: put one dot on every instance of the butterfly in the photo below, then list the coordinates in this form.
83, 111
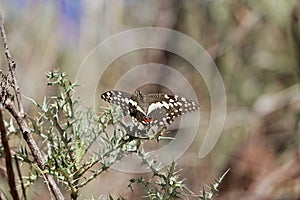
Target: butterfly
156, 109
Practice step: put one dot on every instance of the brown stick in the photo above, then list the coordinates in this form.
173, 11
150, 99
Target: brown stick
20, 177
11, 66
8, 162
19, 116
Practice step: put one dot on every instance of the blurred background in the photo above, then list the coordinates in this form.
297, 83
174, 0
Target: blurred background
255, 45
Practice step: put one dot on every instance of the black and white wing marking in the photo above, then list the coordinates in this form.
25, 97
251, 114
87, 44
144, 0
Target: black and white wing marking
118, 98
127, 102
156, 109
164, 108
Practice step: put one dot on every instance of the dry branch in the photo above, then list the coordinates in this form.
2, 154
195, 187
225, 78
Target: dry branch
19, 116
8, 162
20, 177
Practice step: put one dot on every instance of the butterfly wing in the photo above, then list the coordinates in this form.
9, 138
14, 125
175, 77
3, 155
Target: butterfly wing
162, 108
127, 102
165, 108
118, 98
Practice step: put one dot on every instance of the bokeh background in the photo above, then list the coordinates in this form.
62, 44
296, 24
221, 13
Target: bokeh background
255, 44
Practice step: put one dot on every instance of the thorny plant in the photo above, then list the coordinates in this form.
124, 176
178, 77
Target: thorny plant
68, 132
166, 184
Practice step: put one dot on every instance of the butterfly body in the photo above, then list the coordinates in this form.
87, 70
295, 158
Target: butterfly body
147, 109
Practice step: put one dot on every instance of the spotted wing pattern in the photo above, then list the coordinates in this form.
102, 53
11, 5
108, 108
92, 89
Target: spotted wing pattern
156, 109
127, 102
169, 107
118, 98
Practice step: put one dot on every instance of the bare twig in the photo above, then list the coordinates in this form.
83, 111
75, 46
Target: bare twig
20, 177
12, 67
19, 116
8, 162
9, 105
